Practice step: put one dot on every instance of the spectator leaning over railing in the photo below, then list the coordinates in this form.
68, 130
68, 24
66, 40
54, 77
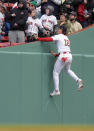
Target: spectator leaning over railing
34, 25
18, 17
73, 24
48, 20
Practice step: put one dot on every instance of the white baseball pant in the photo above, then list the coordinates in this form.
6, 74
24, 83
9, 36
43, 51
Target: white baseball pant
59, 65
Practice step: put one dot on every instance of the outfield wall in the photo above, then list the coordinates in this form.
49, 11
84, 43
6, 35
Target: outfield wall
26, 81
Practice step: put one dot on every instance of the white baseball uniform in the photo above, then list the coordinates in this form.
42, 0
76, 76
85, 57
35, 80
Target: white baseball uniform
49, 21
64, 60
35, 24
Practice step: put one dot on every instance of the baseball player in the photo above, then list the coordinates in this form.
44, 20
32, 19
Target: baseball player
64, 59
48, 20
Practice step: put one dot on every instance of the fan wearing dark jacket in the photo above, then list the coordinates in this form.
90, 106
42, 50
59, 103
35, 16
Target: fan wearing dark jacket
18, 18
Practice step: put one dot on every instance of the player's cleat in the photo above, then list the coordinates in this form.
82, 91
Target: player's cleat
55, 93
80, 84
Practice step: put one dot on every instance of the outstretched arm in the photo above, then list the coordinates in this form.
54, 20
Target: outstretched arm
45, 39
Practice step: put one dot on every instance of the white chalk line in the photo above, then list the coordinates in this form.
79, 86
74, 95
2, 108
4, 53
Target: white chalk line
38, 53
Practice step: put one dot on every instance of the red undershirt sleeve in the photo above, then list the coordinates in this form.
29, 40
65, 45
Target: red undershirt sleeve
45, 39
57, 54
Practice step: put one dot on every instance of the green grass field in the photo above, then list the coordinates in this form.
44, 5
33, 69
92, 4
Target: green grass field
47, 128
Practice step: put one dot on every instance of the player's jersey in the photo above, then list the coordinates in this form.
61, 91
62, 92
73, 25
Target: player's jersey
62, 43
35, 24
49, 21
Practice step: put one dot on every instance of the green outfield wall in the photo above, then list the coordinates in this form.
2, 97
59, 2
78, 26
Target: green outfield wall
26, 81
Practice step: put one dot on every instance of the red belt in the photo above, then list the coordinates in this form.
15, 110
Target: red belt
66, 52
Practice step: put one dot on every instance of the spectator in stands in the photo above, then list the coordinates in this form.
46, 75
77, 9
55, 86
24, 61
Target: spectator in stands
75, 4
83, 14
18, 17
38, 2
33, 6
38, 7
73, 23
54, 3
1, 2
11, 1
34, 25
64, 22
90, 8
6, 25
67, 7
1, 20
48, 20
28, 1
30, 6
92, 12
